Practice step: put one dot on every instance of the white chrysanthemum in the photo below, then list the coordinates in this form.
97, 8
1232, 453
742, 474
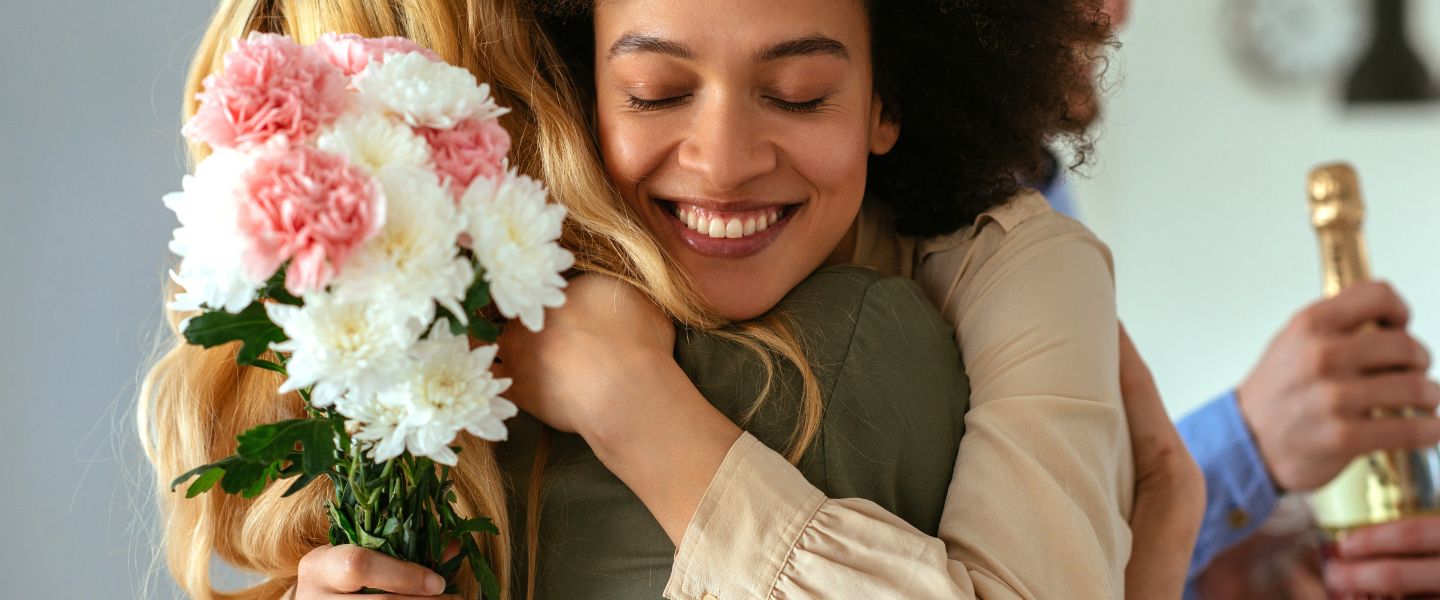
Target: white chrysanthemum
209, 237
514, 233
413, 261
347, 350
426, 93
375, 424
449, 388
373, 141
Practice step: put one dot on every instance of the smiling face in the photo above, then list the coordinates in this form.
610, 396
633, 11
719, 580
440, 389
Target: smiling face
739, 131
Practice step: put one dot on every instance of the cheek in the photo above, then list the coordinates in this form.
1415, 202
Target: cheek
832, 158
631, 149
834, 161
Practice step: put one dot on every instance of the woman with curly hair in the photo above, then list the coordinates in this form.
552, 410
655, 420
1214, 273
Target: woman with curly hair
747, 144
759, 140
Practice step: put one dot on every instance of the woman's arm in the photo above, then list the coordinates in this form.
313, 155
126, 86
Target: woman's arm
1036, 509
1169, 487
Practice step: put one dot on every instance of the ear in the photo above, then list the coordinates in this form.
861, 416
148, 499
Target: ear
884, 132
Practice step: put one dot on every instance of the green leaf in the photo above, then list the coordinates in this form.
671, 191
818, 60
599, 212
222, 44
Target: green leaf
241, 476
276, 441
489, 585
473, 324
368, 541
300, 483
477, 296
338, 521
193, 472
275, 289
252, 327
482, 329
270, 473
476, 525
449, 568
391, 526
204, 482
268, 366
319, 450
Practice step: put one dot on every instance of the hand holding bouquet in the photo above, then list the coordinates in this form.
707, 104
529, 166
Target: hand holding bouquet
354, 217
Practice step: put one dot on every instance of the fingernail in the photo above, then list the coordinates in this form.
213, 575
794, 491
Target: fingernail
434, 584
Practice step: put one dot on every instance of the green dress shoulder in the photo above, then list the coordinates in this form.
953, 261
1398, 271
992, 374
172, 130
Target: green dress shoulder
895, 396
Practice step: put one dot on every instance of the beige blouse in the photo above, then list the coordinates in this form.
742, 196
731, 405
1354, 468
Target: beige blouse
1041, 496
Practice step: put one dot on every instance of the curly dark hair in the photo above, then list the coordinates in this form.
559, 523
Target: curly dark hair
980, 88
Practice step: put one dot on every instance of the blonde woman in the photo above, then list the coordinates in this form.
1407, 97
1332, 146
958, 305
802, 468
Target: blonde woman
607, 362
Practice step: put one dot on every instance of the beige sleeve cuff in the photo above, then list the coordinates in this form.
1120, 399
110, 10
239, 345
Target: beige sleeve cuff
745, 528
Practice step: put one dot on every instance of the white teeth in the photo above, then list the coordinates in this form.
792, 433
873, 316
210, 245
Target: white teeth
720, 227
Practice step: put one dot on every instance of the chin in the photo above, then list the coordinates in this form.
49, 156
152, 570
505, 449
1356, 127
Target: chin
735, 301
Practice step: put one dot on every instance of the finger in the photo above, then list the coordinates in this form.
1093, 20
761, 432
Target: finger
1389, 576
1418, 535
1393, 391
1358, 436
351, 568
1359, 304
1373, 350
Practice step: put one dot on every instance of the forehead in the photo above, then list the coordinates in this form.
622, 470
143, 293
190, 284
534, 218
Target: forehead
728, 27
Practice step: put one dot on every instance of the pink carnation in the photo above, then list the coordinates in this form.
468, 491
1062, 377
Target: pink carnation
311, 208
270, 87
471, 149
352, 53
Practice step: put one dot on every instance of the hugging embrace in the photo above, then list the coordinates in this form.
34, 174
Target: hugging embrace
823, 338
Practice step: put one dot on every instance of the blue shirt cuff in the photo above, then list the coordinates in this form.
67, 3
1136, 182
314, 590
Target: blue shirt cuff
1239, 494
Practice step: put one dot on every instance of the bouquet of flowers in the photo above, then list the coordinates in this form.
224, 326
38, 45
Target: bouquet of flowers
354, 217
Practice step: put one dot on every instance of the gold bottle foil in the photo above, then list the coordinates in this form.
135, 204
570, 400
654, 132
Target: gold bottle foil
1386, 485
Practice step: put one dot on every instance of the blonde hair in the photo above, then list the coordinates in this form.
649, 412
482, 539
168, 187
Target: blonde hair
194, 401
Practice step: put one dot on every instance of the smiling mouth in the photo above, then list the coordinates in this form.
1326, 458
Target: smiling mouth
727, 234
734, 225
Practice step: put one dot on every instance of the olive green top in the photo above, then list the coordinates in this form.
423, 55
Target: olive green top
895, 397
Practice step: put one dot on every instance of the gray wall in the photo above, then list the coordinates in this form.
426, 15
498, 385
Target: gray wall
89, 111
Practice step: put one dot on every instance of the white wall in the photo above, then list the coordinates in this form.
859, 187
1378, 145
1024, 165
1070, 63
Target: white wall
1200, 193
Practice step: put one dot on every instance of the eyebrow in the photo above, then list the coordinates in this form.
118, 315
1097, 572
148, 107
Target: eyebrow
636, 43
811, 45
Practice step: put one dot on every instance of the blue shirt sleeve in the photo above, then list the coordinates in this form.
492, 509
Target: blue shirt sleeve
1239, 494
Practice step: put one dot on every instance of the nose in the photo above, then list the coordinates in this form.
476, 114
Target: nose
727, 144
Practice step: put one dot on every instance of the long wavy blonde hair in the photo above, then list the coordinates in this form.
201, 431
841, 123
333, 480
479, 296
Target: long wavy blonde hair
193, 401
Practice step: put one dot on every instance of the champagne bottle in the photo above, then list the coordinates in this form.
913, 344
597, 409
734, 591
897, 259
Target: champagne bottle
1382, 486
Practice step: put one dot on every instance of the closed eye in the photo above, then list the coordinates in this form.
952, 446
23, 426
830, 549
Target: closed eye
799, 107
644, 104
